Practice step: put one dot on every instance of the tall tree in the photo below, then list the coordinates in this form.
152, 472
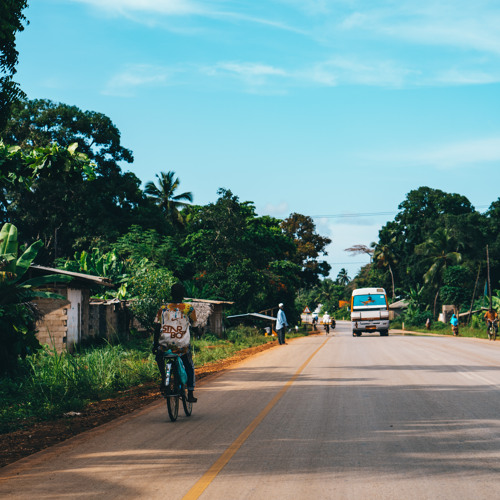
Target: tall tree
359, 250
12, 21
241, 257
439, 251
60, 205
343, 277
384, 257
165, 197
40, 122
309, 246
423, 212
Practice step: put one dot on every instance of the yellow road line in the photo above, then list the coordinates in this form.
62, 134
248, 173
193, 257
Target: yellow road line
202, 484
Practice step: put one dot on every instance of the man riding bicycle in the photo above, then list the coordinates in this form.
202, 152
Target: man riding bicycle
491, 318
172, 332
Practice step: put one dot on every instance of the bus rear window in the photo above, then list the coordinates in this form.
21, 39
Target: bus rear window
368, 300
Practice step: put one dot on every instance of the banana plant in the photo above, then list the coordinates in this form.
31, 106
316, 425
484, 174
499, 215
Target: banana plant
17, 313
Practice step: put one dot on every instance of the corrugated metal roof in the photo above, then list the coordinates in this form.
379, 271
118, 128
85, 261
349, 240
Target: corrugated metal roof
400, 304
209, 301
98, 280
255, 315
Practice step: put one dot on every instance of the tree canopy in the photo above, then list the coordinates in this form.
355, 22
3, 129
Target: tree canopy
12, 21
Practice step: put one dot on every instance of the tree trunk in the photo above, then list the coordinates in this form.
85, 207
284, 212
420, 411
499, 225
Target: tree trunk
435, 302
392, 278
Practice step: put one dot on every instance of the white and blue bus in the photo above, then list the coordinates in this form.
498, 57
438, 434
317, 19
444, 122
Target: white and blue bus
369, 311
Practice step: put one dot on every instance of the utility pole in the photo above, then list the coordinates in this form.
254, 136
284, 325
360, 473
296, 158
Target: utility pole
489, 281
474, 294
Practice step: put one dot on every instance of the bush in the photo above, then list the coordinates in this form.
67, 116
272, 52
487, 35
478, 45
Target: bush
420, 318
56, 383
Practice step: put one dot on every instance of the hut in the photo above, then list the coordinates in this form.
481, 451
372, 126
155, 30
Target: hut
65, 322
210, 315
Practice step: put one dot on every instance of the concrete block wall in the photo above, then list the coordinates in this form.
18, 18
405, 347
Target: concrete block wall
52, 329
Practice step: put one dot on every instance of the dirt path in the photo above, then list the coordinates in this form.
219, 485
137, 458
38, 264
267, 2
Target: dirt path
41, 435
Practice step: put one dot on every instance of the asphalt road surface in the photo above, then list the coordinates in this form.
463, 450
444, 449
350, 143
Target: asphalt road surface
323, 417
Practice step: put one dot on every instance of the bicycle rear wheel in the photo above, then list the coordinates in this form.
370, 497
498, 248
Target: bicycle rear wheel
494, 333
172, 396
188, 407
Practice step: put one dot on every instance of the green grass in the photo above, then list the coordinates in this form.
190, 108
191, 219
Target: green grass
444, 329
49, 384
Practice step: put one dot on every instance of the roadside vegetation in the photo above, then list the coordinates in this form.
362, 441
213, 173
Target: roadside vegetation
475, 328
48, 384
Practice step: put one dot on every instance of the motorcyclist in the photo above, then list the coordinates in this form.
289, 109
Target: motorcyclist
491, 318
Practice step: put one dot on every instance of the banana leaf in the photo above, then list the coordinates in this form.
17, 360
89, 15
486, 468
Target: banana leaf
24, 262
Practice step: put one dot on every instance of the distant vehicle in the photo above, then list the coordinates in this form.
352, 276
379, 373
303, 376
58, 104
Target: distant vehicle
369, 311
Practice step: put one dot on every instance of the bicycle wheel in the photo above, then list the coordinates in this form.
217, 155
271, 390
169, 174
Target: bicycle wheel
172, 396
188, 407
489, 333
494, 333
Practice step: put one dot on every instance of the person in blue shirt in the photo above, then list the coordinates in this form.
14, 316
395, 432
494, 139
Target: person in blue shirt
454, 324
281, 324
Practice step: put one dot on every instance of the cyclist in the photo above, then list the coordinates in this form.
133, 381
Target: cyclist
172, 332
315, 320
326, 322
491, 318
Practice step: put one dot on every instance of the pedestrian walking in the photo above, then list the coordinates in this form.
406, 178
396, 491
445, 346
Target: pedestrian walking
281, 324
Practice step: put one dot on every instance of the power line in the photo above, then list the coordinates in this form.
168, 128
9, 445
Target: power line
348, 216
366, 214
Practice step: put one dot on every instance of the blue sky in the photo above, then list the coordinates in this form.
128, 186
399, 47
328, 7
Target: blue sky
331, 108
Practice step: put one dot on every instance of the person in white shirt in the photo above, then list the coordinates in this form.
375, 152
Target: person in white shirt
281, 324
326, 322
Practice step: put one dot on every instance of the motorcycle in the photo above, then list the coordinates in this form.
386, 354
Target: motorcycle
492, 329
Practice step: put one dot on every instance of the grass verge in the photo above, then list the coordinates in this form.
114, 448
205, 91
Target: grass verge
50, 384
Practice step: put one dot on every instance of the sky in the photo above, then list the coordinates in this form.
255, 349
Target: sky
334, 109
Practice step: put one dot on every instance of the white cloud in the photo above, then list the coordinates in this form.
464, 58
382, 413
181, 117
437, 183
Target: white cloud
252, 74
463, 153
165, 7
455, 76
445, 156
344, 70
134, 76
460, 24
137, 9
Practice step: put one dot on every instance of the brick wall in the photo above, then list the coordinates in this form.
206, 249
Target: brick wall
52, 328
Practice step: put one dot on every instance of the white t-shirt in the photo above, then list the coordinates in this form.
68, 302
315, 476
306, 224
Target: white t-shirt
174, 320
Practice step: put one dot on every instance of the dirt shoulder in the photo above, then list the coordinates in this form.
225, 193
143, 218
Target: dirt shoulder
41, 435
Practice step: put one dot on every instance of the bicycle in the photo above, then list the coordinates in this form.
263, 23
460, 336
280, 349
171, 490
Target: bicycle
174, 388
492, 330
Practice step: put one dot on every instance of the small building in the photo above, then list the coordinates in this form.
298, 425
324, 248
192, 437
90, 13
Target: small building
66, 322
256, 318
109, 319
397, 308
210, 315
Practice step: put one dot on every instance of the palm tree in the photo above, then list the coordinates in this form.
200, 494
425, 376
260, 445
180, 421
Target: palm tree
383, 256
164, 196
439, 251
343, 278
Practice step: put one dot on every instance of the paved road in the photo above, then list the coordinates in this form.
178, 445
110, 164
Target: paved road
323, 417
